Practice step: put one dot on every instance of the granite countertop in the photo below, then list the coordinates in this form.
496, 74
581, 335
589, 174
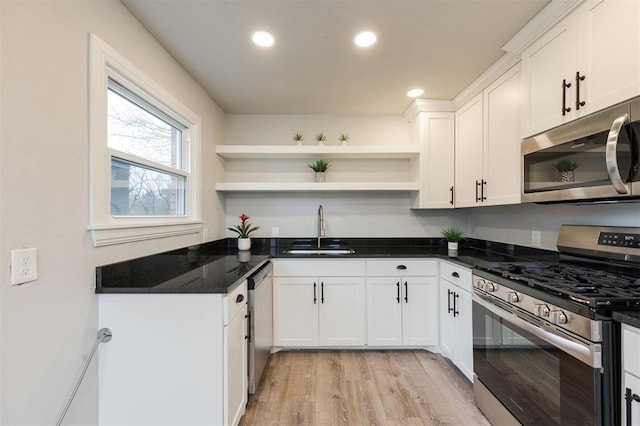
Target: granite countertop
631, 318
216, 267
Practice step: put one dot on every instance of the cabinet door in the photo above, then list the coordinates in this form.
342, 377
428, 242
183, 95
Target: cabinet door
464, 334
235, 368
420, 311
295, 311
502, 156
609, 52
447, 321
342, 317
469, 151
545, 64
384, 311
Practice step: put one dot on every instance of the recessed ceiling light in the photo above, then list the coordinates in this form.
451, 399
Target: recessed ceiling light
262, 39
414, 93
365, 39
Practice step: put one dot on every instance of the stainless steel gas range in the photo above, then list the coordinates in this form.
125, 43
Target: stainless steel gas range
546, 351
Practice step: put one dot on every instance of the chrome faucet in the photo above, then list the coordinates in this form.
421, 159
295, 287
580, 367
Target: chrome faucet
320, 224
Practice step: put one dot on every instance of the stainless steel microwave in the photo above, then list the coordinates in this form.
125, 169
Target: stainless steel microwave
595, 158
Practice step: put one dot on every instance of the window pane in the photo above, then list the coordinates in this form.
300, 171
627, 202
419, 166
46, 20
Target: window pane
140, 191
134, 130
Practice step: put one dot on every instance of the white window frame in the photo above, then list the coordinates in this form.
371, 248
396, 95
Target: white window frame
105, 63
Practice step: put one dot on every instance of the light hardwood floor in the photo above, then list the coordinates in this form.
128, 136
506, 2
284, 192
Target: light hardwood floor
362, 388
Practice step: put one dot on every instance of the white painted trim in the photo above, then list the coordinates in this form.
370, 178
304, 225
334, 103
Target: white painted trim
427, 105
105, 62
104, 236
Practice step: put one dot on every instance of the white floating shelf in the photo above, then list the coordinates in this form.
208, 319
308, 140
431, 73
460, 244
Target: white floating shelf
314, 186
294, 151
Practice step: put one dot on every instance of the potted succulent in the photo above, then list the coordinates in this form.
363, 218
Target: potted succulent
343, 138
566, 169
320, 167
298, 138
244, 231
320, 137
453, 237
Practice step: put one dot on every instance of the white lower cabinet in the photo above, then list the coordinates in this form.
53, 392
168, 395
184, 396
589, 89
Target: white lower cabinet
174, 358
402, 306
456, 330
630, 375
319, 303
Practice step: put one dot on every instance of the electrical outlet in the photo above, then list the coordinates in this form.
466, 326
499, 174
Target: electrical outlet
536, 239
24, 265
275, 231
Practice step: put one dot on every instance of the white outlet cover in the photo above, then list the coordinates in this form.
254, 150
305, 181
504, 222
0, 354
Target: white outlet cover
536, 239
24, 265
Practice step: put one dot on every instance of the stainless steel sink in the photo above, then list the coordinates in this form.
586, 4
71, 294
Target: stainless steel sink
326, 251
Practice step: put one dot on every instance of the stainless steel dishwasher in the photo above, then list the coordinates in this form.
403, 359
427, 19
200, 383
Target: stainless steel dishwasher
260, 323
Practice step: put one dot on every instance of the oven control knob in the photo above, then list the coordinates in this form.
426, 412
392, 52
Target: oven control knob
489, 287
480, 284
559, 317
513, 297
542, 310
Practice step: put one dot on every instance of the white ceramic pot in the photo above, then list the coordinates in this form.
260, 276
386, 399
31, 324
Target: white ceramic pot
319, 176
452, 248
244, 243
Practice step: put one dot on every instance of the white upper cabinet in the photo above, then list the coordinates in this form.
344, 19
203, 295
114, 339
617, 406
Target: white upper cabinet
590, 60
434, 132
487, 145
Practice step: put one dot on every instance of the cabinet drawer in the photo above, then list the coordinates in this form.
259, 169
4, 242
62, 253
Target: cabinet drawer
235, 301
631, 349
456, 274
395, 267
318, 268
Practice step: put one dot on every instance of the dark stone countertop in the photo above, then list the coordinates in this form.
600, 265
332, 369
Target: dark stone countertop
631, 318
215, 267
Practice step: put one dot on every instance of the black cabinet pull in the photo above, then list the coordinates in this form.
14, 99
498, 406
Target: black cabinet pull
455, 304
579, 78
322, 292
455, 275
315, 298
451, 189
401, 267
565, 86
629, 398
398, 295
449, 308
240, 298
406, 293
482, 184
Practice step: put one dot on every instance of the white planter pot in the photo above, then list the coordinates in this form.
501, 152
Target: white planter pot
320, 177
244, 243
452, 248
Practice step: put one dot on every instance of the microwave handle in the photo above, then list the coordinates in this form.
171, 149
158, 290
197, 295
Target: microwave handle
610, 155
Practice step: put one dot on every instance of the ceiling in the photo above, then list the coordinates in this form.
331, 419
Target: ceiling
314, 67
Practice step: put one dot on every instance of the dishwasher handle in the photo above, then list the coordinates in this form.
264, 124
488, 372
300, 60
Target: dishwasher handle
259, 276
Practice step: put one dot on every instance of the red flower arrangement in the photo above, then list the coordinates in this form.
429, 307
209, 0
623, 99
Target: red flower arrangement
244, 229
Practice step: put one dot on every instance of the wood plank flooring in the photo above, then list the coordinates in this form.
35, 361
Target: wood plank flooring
366, 387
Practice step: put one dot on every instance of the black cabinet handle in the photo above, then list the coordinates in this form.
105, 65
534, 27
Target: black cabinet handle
482, 184
629, 398
449, 308
315, 298
406, 293
240, 298
398, 295
322, 292
455, 275
455, 304
401, 267
565, 86
451, 189
579, 78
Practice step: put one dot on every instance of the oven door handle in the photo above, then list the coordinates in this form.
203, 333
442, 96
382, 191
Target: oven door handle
589, 354
610, 155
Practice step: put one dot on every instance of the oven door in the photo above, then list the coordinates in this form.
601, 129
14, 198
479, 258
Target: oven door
539, 375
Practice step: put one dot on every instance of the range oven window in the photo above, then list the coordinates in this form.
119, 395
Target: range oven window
537, 382
579, 163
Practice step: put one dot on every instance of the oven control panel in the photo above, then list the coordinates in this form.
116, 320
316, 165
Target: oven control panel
619, 239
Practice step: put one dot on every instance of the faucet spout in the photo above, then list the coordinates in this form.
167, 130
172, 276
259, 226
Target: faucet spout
320, 224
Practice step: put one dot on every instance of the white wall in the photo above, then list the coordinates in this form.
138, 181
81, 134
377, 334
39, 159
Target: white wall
513, 224
47, 327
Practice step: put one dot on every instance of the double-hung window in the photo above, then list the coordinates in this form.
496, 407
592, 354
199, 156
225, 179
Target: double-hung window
144, 147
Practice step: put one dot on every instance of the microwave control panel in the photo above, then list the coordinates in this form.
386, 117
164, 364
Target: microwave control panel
618, 239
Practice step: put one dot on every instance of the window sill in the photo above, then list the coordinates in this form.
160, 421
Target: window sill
110, 235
